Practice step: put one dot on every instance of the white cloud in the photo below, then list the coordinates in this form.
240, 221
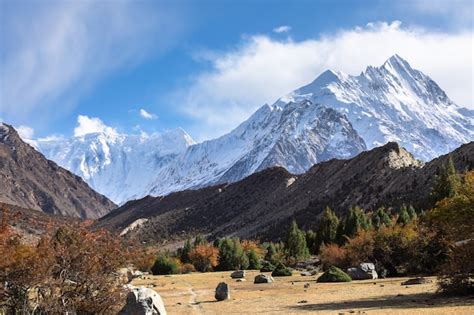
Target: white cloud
25, 132
282, 29
262, 69
56, 50
147, 115
86, 125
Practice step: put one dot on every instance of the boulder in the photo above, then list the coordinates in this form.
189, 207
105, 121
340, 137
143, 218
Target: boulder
306, 274
419, 280
143, 301
222, 292
238, 274
262, 278
364, 271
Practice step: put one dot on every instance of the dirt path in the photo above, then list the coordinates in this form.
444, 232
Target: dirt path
194, 294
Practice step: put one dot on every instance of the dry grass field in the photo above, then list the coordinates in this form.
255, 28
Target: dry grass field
194, 294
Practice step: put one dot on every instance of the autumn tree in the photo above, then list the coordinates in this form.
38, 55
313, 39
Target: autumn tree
204, 257
453, 217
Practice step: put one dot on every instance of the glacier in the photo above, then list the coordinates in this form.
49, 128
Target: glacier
336, 116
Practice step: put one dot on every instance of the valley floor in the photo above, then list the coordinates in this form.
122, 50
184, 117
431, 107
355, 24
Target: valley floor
194, 294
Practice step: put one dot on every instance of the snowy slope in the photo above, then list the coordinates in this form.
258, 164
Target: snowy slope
116, 165
394, 103
336, 116
295, 137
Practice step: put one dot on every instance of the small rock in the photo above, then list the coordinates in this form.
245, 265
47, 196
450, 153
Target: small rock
238, 274
419, 280
302, 302
222, 291
306, 274
306, 285
263, 278
240, 280
382, 286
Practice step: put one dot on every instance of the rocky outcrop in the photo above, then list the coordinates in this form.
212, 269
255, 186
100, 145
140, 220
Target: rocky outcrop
364, 271
143, 301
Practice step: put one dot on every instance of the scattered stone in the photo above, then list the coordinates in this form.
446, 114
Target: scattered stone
364, 271
262, 278
144, 301
238, 274
302, 302
419, 280
222, 292
306, 285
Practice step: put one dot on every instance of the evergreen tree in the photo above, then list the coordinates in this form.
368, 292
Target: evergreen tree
381, 218
355, 221
271, 251
184, 255
403, 216
312, 241
328, 226
254, 260
199, 240
296, 243
447, 183
232, 255
412, 213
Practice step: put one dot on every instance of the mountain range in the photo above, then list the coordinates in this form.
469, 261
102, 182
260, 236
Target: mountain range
262, 205
335, 116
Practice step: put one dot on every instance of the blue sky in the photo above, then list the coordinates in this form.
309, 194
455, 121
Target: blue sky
205, 66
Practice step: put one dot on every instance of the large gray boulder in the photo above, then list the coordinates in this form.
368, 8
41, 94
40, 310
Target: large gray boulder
222, 292
143, 301
238, 274
263, 278
364, 271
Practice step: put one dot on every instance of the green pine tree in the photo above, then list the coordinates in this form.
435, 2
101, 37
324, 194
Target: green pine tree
296, 243
412, 213
184, 257
327, 230
403, 216
447, 183
254, 260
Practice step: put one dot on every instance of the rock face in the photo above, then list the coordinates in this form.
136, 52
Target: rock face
263, 278
263, 205
238, 274
29, 180
364, 271
143, 301
222, 292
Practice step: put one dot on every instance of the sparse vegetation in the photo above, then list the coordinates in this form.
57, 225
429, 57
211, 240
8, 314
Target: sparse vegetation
334, 274
281, 271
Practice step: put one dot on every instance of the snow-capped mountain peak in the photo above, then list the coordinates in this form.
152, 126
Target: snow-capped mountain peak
337, 115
